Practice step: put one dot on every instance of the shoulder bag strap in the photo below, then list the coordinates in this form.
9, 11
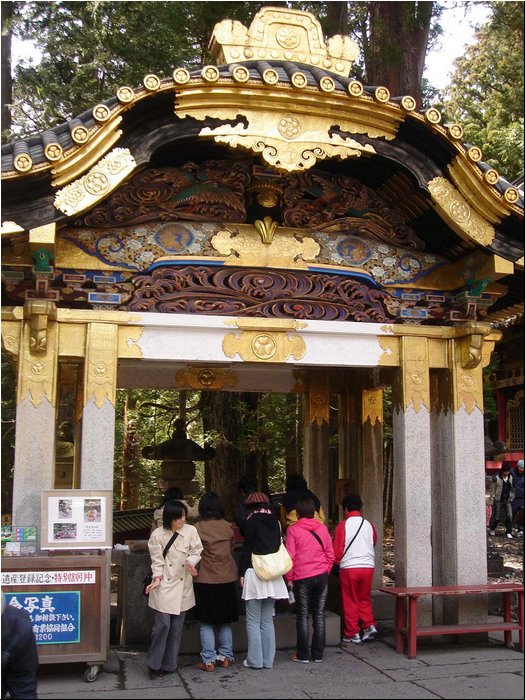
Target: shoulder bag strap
314, 534
171, 541
353, 538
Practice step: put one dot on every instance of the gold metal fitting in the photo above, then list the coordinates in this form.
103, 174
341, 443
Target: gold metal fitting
474, 153
125, 94
101, 113
382, 94
80, 134
210, 74
433, 115
181, 76
53, 151
455, 131
408, 103
151, 82
355, 88
23, 162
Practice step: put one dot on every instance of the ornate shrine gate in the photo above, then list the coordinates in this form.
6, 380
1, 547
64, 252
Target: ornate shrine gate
268, 224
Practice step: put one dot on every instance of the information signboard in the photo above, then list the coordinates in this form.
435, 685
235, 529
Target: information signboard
55, 614
67, 597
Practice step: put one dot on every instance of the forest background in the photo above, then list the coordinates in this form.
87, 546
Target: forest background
89, 49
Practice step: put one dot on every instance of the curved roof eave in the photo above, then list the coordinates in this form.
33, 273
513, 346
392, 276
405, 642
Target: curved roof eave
219, 102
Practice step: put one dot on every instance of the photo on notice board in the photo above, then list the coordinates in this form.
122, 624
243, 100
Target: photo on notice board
65, 508
76, 519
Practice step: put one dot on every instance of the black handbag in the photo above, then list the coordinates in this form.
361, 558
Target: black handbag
335, 567
149, 577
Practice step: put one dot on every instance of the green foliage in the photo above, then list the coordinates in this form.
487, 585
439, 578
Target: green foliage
90, 49
141, 421
487, 96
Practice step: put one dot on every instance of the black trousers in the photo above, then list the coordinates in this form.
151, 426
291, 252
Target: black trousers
310, 599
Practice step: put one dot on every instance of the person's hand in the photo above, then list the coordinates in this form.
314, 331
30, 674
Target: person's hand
154, 584
241, 581
193, 571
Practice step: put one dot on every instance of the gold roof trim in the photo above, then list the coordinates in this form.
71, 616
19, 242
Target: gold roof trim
459, 215
487, 201
278, 33
102, 179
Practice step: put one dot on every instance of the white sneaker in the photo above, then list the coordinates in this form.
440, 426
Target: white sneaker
356, 639
492, 533
509, 536
369, 633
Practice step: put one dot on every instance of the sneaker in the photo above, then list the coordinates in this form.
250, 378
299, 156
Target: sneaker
519, 533
206, 666
509, 536
247, 665
492, 533
356, 639
318, 661
369, 633
296, 658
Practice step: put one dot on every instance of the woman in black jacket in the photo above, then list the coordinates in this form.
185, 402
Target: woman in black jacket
262, 535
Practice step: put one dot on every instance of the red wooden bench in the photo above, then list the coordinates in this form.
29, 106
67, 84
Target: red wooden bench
408, 597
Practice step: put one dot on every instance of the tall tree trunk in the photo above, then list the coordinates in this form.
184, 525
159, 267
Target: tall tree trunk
7, 81
295, 436
398, 42
131, 460
221, 414
337, 18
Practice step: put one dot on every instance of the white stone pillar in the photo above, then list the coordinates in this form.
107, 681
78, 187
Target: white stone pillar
463, 539
372, 470
98, 417
36, 409
412, 463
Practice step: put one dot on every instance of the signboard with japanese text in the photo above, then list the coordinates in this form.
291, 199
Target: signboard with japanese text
55, 614
67, 596
76, 519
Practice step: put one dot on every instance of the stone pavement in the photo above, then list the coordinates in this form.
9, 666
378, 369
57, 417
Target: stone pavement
371, 670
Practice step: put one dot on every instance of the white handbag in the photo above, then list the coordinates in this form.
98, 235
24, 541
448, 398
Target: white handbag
268, 566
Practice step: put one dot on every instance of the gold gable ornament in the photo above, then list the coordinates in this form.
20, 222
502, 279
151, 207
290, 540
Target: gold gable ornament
281, 34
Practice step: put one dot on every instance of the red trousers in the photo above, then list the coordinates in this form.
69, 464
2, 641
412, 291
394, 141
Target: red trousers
356, 598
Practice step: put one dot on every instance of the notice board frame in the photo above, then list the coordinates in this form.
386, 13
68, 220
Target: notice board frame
94, 617
77, 521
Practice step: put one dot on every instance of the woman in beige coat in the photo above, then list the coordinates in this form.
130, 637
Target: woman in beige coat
171, 590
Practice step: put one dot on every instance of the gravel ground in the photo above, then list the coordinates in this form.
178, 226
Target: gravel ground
510, 550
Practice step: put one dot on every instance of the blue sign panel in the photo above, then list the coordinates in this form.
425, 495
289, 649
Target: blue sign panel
55, 614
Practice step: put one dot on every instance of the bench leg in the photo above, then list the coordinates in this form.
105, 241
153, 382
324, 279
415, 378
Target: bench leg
520, 618
507, 617
400, 623
412, 626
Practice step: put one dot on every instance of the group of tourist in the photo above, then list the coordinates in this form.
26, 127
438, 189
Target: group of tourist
193, 567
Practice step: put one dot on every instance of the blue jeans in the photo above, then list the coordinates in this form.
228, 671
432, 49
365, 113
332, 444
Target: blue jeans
260, 632
310, 598
207, 634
